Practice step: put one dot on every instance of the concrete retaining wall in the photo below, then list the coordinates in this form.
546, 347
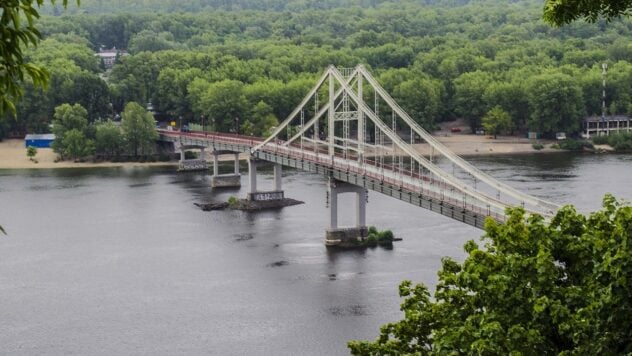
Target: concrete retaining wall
346, 237
265, 196
193, 165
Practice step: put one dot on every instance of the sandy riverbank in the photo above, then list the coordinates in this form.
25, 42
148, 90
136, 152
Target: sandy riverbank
13, 156
478, 145
13, 152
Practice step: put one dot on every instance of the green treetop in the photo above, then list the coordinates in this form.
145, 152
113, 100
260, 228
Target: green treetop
66, 118
139, 129
109, 139
496, 121
534, 288
14, 68
561, 12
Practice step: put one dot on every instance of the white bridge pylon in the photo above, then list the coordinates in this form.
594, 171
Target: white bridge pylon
350, 119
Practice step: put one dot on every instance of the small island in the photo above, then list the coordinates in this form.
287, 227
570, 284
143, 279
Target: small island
374, 238
235, 203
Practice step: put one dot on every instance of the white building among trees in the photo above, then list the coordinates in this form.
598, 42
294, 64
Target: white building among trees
108, 56
598, 126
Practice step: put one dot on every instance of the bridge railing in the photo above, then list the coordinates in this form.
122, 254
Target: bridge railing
392, 175
397, 176
243, 140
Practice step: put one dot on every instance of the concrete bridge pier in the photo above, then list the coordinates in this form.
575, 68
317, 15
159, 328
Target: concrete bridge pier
346, 236
254, 194
195, 164
230, 180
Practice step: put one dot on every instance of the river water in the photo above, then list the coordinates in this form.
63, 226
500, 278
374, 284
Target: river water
120, 261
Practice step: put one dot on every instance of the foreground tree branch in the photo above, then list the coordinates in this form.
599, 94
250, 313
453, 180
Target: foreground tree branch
562, 12
14, 36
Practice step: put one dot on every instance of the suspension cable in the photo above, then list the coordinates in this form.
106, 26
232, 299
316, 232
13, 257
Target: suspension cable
302, 124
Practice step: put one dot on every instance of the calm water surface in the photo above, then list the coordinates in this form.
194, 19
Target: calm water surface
120, 261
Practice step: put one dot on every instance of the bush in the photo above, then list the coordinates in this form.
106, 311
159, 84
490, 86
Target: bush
621, 141
385, 236
233, 201
574, 145
537, 146
31, 152
376, 237
600, 140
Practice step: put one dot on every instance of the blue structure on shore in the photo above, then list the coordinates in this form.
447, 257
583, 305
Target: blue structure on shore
39, 141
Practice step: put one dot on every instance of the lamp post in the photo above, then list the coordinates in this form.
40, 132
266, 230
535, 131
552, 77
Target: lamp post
604, 68
237, 125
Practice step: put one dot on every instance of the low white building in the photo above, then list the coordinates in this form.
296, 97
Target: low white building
598, 126
108, 56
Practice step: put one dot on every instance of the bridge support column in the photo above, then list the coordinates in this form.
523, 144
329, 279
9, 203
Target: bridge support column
215, 163
230, 180
278, 174
252, 175
346, 236
259, 196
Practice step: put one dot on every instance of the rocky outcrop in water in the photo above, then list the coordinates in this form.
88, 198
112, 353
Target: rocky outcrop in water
247, 205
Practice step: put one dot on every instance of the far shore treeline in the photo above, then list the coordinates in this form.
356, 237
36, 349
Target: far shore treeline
209, 62
531, 286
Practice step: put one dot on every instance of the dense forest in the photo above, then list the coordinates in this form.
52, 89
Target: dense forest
215, 60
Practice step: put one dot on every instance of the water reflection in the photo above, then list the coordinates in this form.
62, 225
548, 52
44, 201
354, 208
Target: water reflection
121, 259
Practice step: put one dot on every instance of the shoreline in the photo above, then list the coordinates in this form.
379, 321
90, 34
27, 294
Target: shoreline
13, 152
13, 156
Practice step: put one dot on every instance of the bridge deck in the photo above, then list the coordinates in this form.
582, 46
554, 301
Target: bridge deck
403, 185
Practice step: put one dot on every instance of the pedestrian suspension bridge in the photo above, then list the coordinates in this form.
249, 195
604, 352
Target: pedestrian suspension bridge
349, 129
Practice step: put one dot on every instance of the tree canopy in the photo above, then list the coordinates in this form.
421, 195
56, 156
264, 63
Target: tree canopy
70, 119
109, 141
561, 12
14, 68
533, 288
496, 121
440, 60
139, 129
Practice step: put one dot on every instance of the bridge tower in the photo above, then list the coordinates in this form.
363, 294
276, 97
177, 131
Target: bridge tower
346, 236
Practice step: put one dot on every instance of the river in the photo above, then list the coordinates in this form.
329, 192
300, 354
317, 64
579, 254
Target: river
120, 261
